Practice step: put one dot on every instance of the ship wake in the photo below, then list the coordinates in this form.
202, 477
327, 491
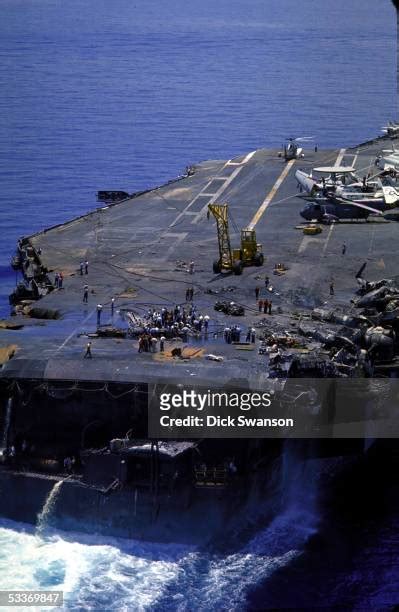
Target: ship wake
115, 574
213, 582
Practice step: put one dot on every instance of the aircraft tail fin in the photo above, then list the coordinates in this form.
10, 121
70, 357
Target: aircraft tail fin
391, 195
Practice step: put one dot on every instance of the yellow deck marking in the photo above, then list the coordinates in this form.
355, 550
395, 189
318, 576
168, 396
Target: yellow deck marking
271, 194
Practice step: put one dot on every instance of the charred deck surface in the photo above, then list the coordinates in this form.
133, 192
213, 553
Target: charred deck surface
135, 249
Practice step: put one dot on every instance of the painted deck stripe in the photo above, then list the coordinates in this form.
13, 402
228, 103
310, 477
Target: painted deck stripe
262, 208
340, 157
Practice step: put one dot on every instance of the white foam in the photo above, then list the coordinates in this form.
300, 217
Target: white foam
117, 574
93, 572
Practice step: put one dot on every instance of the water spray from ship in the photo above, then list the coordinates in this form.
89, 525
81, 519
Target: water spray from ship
122, 574
44, 516
215, 581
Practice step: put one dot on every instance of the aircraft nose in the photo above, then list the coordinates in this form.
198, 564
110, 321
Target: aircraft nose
305, 213
300, 179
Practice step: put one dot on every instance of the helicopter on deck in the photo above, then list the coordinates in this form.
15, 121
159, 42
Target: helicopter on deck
292, 150
388, 160
330, 212
339, 194
392, 129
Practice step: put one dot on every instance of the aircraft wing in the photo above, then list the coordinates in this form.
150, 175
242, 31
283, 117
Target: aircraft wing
310, 198
358, 205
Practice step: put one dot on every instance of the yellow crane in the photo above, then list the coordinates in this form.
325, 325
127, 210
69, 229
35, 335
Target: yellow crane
233, 260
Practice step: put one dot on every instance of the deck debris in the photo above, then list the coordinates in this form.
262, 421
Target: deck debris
230, 308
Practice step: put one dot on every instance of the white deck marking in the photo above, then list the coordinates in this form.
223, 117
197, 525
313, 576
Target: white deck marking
176, 239
340, 157
214, 196
355, 158
217, 195
71, 335
354, 155
328, 237
262, 208
244, 161
186, 211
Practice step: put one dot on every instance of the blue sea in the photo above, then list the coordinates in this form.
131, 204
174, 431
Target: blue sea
124, 95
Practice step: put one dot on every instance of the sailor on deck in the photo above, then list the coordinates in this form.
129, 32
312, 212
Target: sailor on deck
88, 354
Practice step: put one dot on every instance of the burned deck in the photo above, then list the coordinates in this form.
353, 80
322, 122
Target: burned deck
139, 252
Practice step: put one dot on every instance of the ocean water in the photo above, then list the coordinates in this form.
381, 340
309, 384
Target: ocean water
114, 574
98, 573
124, 95
103, 573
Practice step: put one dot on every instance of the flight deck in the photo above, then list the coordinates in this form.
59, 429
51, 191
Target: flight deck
146, 250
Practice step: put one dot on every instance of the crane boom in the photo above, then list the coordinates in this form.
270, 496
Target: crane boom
233, 260
220, 212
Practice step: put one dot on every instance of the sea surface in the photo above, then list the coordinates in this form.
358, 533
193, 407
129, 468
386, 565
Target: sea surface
124, 95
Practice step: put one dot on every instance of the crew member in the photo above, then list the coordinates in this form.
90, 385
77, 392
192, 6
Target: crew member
141, 344
88, 354
99, 310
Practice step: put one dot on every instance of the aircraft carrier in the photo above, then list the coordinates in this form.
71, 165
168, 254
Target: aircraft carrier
142, 255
